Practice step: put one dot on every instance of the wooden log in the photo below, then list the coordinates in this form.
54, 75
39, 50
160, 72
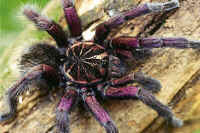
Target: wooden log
173, 67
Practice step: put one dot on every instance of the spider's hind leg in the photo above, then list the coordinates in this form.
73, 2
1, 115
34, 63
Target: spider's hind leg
117, 89
147, 82
41, 76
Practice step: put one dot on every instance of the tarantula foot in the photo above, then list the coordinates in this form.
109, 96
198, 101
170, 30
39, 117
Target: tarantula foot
110, 128
167, 6
62, 121
194, 44
148, 83
176, 122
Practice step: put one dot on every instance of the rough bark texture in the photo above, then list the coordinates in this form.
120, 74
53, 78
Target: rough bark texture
178, 70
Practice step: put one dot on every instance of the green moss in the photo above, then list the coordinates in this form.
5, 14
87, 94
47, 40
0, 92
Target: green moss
2, 47
9, 11
28, 37
198, 131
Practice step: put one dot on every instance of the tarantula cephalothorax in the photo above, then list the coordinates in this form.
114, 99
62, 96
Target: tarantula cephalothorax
83, 68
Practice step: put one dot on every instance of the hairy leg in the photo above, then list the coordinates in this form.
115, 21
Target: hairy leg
116, 67
99, 113
147, 82
125, 46
42, 76
44, 23
40, 53
168, 42
72, 18
126, 42
104, 29
66, 103
131, 92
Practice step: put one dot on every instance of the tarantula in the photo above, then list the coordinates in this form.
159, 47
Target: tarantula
87, 68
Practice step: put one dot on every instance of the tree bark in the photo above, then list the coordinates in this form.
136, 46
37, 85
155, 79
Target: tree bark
178, 70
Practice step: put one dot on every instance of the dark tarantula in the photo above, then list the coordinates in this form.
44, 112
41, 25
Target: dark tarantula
86, 68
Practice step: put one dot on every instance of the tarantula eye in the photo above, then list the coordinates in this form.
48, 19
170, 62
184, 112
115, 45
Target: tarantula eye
62, 59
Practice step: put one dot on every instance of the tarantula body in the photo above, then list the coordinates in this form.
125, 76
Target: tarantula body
83, 68
88, 65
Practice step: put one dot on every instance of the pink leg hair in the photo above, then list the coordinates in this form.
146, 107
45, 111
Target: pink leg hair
66, 103
104, 29
42, 72
72, 18
124, 45
99, 113
130, 92
44, 23
168, 42
146, 81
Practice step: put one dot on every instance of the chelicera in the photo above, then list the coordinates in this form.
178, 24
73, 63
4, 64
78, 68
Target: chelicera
83, 68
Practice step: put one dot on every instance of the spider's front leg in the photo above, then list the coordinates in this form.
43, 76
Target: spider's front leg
41, 76
104, 29
44, 23
66, 103
116, 89
72, 18
99, 113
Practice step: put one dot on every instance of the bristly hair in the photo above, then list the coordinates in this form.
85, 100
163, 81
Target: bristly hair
40, 53
20, 14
